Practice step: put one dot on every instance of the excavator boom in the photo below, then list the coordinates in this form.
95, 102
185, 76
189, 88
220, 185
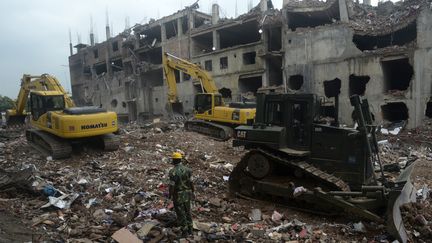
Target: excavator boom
171, 64
29, 83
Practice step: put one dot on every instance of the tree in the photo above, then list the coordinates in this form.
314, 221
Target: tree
6, 103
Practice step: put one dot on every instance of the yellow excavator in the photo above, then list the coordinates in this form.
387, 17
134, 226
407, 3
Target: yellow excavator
55, 121
211, 115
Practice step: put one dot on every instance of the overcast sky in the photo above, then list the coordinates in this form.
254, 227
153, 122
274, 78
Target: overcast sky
34, 34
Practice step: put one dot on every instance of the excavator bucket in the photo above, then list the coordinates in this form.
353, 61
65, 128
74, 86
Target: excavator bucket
177, 112
15, 120
402, 193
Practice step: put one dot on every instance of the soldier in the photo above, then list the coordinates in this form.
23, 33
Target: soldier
181, 192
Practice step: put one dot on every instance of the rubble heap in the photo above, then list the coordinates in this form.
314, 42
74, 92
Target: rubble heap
386, 17
122, 195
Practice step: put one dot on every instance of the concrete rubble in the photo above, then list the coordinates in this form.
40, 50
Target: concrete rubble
122, 195
323, 47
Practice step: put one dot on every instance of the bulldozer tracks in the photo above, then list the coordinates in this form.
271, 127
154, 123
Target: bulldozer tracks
323, 178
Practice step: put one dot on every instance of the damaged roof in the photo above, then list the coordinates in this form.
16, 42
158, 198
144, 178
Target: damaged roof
387, 17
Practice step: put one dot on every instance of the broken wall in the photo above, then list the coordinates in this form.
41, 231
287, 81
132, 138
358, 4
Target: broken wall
227, 74
318, 50
324, 53
422, 86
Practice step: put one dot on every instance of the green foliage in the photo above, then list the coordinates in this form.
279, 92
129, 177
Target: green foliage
6, 103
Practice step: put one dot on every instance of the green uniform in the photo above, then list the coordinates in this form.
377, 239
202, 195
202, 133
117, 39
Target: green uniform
181, 192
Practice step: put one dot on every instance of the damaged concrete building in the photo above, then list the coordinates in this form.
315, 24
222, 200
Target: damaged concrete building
337, 47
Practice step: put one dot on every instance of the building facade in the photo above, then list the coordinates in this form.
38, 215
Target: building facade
336, 47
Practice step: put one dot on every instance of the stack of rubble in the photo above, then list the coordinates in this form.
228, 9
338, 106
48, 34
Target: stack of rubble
122, 195
386, 17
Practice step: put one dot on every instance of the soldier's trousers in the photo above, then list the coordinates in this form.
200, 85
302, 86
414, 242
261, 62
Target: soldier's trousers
184, 215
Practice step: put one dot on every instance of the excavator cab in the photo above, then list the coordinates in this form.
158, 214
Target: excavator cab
42, 102
205, 103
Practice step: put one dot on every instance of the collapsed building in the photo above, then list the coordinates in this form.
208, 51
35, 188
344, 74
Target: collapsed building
336, 49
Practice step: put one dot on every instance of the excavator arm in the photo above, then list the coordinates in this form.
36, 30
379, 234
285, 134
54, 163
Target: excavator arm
44, 82
172, 63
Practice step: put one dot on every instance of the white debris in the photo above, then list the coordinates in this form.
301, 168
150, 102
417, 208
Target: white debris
128, 149
83, 181
384, 131
60, 202
229, 167
255, 215
395, 131
359, 227
276, 216
90, 202
299, 190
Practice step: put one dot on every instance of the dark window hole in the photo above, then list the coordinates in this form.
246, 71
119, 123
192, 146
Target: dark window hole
395, 112
295, 82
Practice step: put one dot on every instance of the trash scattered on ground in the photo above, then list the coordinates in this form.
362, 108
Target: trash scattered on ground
96, 196
255, 215
359, 227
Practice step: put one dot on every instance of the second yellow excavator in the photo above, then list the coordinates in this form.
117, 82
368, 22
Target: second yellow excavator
56, 122
211, 115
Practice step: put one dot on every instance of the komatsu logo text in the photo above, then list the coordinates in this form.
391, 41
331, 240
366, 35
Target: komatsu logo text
93, 126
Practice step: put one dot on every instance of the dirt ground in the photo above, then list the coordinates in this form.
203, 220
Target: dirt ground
128, 188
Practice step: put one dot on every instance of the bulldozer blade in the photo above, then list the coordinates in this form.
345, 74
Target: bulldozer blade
177, 112
402, 193
16, 120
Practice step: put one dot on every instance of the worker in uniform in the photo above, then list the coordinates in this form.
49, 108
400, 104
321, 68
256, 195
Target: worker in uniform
181, 192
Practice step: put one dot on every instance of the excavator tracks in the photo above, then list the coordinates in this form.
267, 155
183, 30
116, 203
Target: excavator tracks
216, 131
47, 143
110, 142
243, 179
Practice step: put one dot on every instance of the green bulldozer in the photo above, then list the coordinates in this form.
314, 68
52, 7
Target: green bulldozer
297, 159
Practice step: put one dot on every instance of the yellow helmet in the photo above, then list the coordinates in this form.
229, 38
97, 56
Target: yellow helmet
176, 155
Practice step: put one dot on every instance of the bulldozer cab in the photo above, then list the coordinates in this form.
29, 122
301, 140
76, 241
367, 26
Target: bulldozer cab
204, 103
42, 103
294, 113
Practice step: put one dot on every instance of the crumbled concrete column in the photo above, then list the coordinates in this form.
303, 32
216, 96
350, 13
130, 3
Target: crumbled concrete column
92, 39
163, 33
343, 11
179, 27
215, 13
191, 21
108, 60
216, 40
266, 74
263, 5
107, 32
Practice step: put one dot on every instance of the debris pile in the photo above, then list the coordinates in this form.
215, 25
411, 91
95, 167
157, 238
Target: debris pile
385, 18
123, 195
